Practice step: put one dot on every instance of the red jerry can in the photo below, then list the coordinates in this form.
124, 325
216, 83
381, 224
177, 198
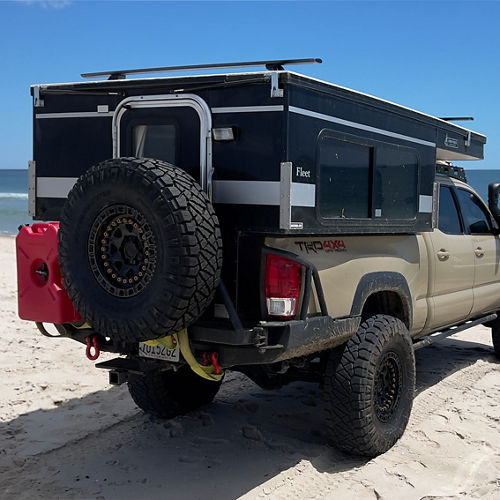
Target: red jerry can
40, 292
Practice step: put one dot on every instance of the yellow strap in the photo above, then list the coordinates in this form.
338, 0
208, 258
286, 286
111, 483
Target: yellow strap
203, 371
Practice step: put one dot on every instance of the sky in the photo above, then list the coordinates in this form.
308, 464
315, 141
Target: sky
439, 57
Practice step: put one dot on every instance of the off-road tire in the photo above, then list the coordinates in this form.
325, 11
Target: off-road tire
369, 387
167, 394
164, 235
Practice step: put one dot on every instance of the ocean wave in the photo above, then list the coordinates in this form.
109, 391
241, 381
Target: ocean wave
13, 196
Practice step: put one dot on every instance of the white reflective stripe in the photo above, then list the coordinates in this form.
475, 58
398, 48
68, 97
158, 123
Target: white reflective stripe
228, 192
425, 204
303, 195
360, 126
54, 187
248, 109
81, 114
262, 193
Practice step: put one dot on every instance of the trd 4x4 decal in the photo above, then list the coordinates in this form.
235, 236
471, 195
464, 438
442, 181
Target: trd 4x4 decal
322, 246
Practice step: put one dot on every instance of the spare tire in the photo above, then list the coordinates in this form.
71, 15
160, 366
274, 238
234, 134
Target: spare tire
140, 248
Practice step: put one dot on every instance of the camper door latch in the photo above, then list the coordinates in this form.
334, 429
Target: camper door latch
275, 90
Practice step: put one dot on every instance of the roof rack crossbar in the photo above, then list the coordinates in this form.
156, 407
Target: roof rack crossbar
269, 65
456, 118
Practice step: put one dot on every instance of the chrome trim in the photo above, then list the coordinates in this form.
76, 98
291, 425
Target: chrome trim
275, 88
248, 109
79, 114
286, 195
166, 101
360, 126
37, 99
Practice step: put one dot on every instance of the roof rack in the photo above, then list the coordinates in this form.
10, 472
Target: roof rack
269, 65
457, 118
447, 168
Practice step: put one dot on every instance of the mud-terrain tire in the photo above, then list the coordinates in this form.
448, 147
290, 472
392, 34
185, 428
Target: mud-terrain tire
140, 249
167, 394
369, 388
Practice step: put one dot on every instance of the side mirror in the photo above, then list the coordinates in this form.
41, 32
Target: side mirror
493, 195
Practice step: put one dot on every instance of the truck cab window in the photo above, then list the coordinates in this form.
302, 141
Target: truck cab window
449, 221
476, 218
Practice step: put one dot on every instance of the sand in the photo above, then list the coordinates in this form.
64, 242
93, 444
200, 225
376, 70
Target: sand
65, 433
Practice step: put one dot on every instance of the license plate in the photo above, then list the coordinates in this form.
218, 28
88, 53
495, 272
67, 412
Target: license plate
157, 349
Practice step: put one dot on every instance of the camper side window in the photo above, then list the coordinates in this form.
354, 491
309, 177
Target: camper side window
395, 183
362, 178
344, 178
155, 141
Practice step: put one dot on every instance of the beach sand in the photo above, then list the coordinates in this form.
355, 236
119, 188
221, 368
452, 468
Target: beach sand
65, 433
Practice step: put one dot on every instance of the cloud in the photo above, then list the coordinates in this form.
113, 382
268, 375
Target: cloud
47, 4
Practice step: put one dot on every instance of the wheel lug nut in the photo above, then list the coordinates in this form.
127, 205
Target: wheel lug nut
135, 278
106, 264
140, 273
130, 280
109, 271
143, 268
113, 275
103, 257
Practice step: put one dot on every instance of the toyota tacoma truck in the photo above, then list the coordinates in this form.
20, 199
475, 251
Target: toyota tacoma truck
261, 221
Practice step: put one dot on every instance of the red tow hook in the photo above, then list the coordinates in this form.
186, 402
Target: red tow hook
92, 342
215, 361
212, 359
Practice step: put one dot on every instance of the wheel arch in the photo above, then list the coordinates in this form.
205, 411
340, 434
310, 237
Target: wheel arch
383, 293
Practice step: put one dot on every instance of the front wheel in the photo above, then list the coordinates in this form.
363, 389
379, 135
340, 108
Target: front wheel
369, 387
170, 393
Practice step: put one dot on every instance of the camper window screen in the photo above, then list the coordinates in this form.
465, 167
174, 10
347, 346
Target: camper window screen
345, 179
154, 141
395, 183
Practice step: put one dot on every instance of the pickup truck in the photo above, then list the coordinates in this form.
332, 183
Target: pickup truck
266, 223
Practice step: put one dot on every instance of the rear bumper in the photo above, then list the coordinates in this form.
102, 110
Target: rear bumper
271, 342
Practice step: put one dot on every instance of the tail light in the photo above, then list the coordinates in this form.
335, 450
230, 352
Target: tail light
283, 282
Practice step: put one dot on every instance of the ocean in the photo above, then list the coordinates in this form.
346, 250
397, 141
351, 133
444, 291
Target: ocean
14, 195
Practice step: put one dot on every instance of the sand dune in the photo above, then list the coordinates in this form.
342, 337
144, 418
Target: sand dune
64, 433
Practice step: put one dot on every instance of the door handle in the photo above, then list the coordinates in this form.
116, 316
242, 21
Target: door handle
443, 254
479, 252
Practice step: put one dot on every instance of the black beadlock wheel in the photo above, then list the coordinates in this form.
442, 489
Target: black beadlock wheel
167, 394
140, 249
369, 386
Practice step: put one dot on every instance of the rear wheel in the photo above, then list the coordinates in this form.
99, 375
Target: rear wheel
140, 249
369, 387
168, 394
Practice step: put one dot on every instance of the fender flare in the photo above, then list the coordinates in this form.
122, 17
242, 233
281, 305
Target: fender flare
384, 281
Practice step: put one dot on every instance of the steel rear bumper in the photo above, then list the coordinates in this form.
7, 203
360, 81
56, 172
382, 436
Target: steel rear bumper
271, 342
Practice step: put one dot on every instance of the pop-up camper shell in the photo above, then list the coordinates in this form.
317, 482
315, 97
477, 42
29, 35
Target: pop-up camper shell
278, 152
